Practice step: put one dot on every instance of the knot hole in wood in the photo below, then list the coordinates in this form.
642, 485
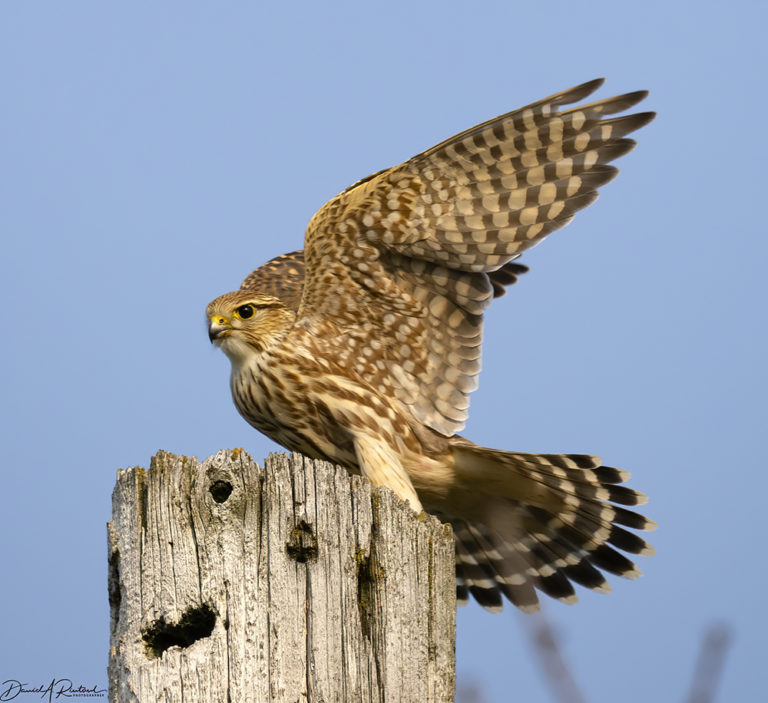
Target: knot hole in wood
194, 624
302, 544
220, 490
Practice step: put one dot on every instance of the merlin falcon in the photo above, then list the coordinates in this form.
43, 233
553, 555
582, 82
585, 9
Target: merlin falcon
363, 349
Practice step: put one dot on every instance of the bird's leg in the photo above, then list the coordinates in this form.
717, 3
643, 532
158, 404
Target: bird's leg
382, 467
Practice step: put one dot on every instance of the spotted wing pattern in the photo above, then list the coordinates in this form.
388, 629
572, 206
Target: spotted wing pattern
405, 259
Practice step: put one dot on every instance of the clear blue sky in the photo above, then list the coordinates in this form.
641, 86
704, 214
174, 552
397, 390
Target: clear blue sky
152, 154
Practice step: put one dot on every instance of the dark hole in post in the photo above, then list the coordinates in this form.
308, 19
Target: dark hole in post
220, 490
369, 573
193, 625
113, 585
302, 544
364, 591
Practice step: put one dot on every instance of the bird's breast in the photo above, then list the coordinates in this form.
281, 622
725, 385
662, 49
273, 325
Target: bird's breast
279, 399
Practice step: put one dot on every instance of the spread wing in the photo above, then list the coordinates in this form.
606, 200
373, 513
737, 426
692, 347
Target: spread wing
404, 260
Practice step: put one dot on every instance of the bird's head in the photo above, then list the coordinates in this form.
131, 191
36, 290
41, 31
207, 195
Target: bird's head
243, 323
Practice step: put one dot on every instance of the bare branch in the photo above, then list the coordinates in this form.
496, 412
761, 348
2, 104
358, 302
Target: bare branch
709, 667
548, 651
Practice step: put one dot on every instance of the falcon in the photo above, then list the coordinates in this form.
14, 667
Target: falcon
363, 349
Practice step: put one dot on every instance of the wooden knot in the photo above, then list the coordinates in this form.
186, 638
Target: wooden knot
302, 545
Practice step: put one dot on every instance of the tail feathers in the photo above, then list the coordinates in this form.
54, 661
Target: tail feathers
580, 473
487, 569
541, 522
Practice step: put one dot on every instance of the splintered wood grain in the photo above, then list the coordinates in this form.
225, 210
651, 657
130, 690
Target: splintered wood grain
295, 582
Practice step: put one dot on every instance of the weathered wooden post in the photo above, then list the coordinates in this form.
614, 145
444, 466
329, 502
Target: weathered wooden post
296, 582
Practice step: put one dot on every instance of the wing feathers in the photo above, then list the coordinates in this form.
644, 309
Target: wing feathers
423, 240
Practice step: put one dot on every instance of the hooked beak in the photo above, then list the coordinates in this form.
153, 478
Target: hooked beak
218, 327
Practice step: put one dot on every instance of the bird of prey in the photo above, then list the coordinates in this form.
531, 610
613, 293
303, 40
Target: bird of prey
363, 349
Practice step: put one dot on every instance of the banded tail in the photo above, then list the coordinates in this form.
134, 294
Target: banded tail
541, 523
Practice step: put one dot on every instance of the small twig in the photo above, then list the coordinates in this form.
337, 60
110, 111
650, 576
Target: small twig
469, 692
709, 667
556, 672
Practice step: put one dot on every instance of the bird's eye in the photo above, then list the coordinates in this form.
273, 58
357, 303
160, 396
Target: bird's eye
244, 312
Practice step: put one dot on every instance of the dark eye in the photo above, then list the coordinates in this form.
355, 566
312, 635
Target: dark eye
245, 311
